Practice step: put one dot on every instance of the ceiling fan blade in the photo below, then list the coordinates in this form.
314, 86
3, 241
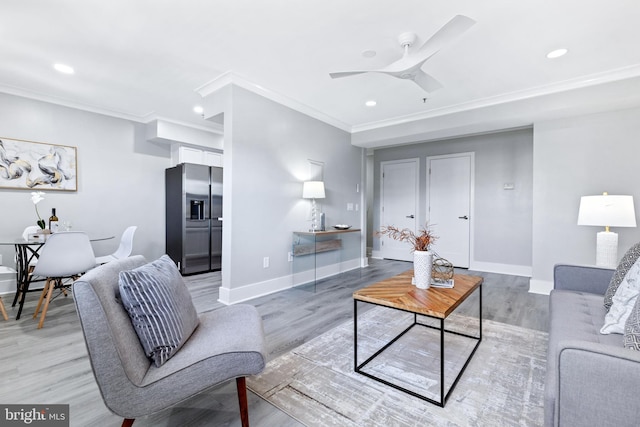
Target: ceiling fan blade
426, 82
452, 29
347, 73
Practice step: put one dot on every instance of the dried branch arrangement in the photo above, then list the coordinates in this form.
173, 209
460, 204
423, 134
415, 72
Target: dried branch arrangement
420, 242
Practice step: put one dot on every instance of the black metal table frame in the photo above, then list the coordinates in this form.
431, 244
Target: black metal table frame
25, 253
443, 397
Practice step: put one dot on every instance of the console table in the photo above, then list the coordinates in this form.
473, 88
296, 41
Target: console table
321, 254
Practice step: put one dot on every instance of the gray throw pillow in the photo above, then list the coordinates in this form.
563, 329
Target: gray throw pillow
632, 328
159, 306
626, 262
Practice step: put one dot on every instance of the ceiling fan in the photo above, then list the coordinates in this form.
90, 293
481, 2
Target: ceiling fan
409, 66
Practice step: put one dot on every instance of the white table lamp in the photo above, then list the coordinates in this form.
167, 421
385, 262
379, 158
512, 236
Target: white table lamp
313, 190
607, 211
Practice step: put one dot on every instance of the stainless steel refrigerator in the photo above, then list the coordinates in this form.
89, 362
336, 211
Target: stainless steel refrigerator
194, 217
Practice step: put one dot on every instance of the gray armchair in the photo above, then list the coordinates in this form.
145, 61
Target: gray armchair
227, 344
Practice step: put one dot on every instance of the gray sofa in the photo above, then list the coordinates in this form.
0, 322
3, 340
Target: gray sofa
592, 380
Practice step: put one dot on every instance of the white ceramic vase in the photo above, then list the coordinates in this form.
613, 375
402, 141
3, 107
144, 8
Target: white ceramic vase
422, 263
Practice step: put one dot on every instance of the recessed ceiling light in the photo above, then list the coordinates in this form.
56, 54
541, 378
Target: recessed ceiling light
557, 53
368, 53
371, 103
65, 69
198, 109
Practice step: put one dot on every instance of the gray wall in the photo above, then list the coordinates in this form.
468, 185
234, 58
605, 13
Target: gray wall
121, 181
572, 158
267, 149
502, 219
120, 176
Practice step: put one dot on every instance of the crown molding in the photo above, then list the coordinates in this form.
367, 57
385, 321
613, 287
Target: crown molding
232, 78
229, 77
24, 93
145, 118
564, 86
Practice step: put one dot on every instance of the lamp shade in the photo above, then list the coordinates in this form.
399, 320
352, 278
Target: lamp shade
607, 211
313, 190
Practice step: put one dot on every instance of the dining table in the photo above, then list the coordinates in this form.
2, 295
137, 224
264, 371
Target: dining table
27, 251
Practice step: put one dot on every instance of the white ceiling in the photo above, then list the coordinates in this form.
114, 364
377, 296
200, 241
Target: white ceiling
145, 59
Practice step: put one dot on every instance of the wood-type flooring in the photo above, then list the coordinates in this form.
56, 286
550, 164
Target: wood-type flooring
50, 365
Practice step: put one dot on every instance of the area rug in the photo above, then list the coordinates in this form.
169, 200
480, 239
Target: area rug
502, 385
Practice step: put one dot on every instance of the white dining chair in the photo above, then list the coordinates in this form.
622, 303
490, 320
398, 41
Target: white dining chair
30, 255
124, 249
32, 229
65, 255
4, 270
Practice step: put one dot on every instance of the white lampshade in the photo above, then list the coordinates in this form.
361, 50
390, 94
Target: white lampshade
313, 190
607, 211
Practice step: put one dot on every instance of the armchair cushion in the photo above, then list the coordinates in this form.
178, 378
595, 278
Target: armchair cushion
627, 261
160, 307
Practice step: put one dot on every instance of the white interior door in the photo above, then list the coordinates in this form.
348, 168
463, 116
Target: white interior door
449, 186
399, 200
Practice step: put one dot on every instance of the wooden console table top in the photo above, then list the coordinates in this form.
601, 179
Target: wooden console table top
398, 292
326, 232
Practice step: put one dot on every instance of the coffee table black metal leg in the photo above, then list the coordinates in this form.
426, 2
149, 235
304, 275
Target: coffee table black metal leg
442, 399
355, 335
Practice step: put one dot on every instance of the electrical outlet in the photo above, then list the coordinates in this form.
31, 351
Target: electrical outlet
265, 262
349, 206
290, 257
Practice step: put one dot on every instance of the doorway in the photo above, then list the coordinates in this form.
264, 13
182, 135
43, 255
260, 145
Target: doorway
450, 205
399, 204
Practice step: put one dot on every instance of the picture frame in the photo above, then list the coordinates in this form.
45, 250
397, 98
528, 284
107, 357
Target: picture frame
316, 170
30, 165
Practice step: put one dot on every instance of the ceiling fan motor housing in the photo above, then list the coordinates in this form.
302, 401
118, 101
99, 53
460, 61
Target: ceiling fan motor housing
407, 39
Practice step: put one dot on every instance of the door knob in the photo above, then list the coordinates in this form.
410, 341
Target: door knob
410, 216
463, 217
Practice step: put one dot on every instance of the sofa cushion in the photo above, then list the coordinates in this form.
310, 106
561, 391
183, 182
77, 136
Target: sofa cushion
629, 258
623, 302
573, 316
160, 307
632, 328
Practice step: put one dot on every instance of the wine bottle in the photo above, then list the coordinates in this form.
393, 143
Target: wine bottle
53, 221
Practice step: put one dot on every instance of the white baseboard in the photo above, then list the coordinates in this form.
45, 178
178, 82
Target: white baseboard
511, 269
540, 286
244, 293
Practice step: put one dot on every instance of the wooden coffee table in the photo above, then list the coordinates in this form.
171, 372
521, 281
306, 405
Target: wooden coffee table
398, 293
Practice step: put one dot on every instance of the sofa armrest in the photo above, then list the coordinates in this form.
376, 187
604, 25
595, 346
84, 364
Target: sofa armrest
582, 278
597, 385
